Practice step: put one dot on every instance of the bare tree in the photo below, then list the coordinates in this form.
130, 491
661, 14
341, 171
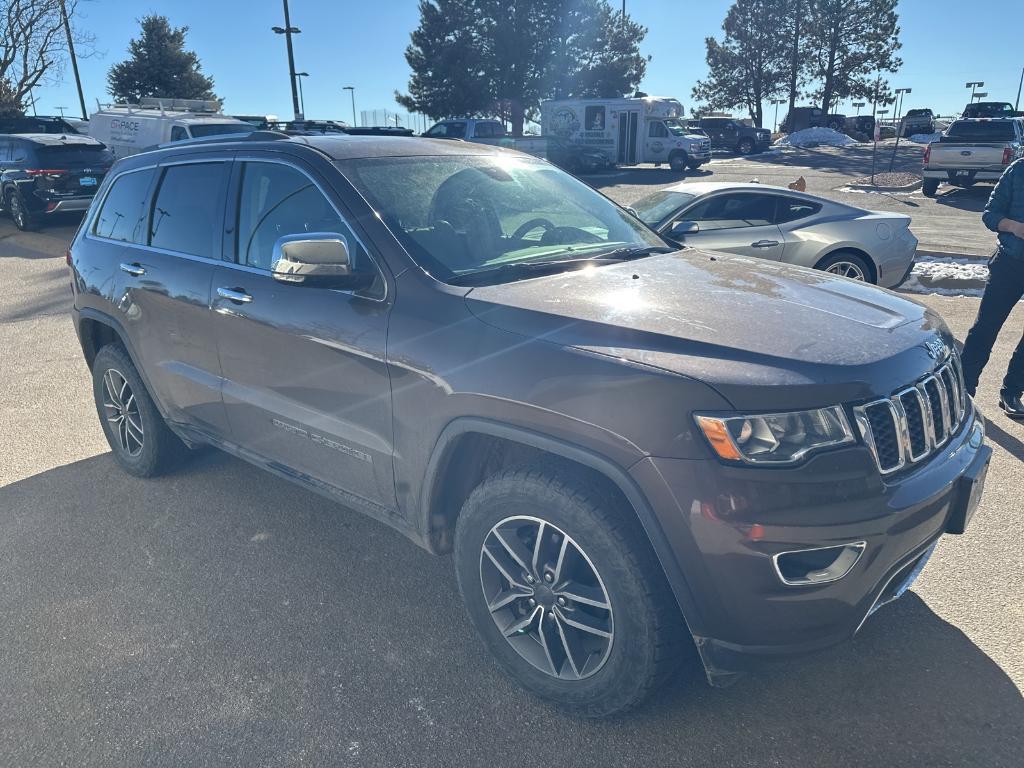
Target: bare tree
33, 45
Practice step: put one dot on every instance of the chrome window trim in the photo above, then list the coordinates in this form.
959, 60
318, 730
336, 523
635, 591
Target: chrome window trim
89, 235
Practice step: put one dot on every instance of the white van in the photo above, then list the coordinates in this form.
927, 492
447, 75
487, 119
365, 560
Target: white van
643, 129
130, 128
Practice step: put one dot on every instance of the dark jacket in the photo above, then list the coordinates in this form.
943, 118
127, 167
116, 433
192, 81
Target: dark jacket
1007, 202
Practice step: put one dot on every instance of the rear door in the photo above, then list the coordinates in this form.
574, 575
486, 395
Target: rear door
736, 222
165, 298
306, 385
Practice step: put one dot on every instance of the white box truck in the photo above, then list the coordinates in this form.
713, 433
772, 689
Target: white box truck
130, 128
642, 129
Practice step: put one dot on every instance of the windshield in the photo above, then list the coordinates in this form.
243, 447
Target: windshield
216, 129
658, 206
676, 128
460, 215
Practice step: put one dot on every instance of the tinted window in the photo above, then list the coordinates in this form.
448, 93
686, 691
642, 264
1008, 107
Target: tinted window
995, 130
733, 211
72, 154
178, 133
275, 200
792, 209
448, 131
123, 215
186, 210
594, 119
659, 206
657, 131
218, 129
5, 151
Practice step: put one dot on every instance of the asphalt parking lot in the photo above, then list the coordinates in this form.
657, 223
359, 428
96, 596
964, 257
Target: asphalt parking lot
220, 616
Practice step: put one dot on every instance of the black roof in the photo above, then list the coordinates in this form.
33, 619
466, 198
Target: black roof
57, 139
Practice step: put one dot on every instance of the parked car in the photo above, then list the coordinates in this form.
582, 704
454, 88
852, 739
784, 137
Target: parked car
43, 174
799, 118
731, 135
37, 124
918, 121
864, 124
971, 151
621, 442
784, 225
990, 109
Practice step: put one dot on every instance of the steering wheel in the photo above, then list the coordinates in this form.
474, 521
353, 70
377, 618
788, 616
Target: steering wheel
531, 225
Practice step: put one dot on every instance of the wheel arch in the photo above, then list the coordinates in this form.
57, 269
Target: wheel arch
463, 456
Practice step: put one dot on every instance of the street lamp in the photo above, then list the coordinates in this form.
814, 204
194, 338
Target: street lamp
980, 95
974, 85
288, 30
352, 90
776, 102
302, 98
858, 105
61, 110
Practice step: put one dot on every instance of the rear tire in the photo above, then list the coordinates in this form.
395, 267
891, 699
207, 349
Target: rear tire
20, 215
847, 264
745, 147
930, 187
138, 435
606, 559
677, 161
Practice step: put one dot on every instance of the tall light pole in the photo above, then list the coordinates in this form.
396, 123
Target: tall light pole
288, 30
900, 95
302, 98
352, 92
776, 102
61, 110
974, 85
980, 95
1020, 85
858, 105
74, 59
879, 113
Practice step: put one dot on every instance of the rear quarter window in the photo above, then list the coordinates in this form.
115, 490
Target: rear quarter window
122, 215
792, 209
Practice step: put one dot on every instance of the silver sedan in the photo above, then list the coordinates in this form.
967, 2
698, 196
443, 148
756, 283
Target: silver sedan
784, 225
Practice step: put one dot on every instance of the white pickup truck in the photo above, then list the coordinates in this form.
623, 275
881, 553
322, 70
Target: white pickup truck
971, 151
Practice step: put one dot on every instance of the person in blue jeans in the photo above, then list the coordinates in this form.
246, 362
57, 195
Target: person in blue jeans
1004, 215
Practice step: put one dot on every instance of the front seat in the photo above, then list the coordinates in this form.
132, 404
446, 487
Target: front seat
461, 205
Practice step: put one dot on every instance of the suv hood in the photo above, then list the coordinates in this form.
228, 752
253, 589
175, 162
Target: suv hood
766, 335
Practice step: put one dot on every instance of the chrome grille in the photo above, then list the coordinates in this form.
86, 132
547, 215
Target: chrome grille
911, 425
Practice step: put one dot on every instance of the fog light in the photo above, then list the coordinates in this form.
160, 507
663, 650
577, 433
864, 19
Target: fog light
819, 565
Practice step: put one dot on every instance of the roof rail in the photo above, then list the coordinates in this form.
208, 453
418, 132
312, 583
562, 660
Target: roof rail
225, 137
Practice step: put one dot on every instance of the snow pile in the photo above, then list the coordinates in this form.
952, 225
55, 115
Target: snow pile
925, 138
948, 276
814, 137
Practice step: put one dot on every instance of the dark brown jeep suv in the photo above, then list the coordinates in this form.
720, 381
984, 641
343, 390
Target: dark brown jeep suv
630, 448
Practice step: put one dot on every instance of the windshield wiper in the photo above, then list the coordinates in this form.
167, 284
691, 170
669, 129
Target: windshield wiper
634, 252
523, 269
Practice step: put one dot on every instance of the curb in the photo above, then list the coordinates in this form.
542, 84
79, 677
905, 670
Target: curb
869, 188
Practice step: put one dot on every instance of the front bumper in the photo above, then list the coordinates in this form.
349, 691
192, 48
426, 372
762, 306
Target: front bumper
724, 525
699, 157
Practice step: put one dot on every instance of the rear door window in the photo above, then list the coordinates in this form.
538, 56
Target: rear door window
186, 215
122, 216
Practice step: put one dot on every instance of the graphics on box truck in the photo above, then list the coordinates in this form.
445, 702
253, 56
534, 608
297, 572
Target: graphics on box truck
127, 129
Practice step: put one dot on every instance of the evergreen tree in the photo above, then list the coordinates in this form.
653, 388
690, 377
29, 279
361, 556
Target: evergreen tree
849, 43
159, 65
748, 66
10, 104
492, 57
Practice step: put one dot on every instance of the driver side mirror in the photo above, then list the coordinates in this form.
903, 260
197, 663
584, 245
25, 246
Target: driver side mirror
318, 259
683, 228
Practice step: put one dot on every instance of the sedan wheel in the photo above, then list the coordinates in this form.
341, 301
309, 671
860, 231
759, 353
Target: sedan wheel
847, 269
546, 598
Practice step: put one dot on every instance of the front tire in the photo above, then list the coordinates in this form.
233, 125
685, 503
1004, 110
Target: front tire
138, 436
564, 591
930, 187
745, 147
677, 161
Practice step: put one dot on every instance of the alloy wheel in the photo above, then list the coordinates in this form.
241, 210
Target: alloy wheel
847, 269
17, 211
546, 597
122, 411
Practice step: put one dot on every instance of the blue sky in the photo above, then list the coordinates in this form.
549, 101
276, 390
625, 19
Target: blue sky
362, 44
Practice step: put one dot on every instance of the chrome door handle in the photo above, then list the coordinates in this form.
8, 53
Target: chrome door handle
239, 297
133, 269
764, 244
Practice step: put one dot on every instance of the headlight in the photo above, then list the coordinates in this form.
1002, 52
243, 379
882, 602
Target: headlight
776, 438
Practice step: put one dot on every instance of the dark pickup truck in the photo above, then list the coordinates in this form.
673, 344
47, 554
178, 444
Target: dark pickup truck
731, 135
628, 447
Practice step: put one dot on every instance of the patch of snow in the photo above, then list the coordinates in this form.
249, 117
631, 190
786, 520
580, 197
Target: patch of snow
947, 276
816, 137
925, 138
